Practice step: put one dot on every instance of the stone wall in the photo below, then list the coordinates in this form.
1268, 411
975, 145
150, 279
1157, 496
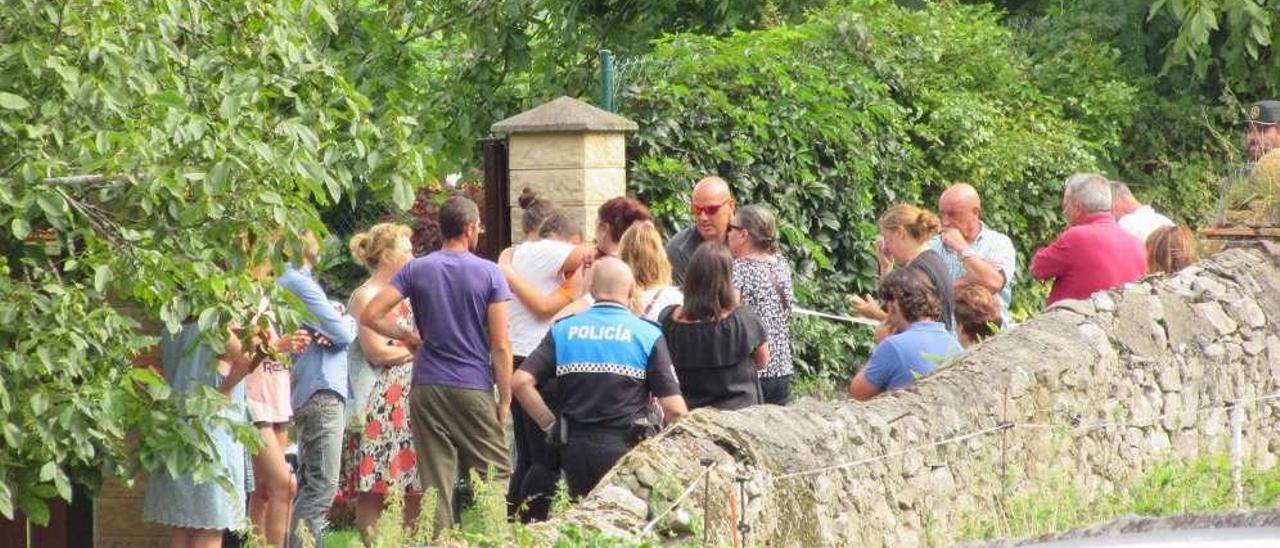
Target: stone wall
1091, 391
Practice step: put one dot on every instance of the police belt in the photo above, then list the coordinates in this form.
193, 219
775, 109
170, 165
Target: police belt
575, 427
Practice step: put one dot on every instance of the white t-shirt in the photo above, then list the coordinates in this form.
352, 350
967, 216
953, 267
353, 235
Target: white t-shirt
654, 299
538, 263
1142, 222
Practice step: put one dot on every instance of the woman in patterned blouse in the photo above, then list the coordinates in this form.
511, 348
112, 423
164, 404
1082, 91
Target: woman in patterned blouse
764, 280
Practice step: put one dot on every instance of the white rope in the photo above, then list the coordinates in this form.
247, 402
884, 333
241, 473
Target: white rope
847, 319
892, 454
648, 527
956, 439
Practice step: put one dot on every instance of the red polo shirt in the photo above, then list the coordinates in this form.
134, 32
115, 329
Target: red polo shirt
1093, 255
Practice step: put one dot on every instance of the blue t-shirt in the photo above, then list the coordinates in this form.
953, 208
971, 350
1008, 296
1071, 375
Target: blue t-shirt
896, 361
450, 292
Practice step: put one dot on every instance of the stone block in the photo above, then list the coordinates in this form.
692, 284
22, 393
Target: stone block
1213, 313
1104, 302
566, 151
1247, 312
1181, 323
571, 187
1137, 326
623, 500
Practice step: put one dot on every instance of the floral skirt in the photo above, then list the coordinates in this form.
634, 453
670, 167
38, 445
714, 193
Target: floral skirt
380, 457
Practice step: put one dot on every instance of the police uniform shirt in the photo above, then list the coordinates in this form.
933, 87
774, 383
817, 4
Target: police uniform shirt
606, 362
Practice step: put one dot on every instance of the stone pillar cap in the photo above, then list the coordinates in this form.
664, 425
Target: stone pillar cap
565, 114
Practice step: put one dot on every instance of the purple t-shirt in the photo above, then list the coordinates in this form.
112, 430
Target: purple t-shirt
450, 292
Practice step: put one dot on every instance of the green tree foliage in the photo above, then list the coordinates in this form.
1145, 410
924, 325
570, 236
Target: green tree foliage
1180, 141
141, 140
834, 120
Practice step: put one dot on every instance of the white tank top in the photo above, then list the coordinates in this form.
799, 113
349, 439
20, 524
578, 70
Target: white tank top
538, 263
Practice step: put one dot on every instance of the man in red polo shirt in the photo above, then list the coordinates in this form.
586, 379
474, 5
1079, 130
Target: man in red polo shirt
1094, 253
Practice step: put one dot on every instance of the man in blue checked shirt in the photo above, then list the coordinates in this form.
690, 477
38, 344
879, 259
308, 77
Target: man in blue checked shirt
320, 390
975, 254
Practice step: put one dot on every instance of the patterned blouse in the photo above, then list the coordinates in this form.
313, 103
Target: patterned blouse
765, 285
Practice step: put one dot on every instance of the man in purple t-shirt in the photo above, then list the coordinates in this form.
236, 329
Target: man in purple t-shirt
461, 352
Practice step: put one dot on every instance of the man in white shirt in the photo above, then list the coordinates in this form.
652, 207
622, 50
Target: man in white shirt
1133, 216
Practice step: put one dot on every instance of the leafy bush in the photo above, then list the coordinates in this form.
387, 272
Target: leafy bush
139, 143
832, 121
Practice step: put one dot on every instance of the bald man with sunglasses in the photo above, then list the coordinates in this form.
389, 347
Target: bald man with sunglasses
712, 209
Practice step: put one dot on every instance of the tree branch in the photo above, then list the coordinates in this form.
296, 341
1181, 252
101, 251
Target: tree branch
475, 9
72, 180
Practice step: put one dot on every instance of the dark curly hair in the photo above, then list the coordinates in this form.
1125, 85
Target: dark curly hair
619, 213
913, 291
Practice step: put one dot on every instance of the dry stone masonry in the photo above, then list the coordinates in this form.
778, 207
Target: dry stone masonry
1093, 392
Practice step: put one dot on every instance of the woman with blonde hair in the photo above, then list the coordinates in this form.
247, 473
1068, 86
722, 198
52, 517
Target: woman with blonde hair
385, 460
905, 231
1170, 249
643, 250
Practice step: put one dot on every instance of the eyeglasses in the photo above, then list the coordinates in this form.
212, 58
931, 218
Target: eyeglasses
733, 227
709, 210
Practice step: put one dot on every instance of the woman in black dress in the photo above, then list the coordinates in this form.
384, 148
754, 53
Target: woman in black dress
717, 346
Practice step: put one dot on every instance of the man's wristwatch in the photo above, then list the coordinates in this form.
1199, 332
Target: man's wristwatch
968, 252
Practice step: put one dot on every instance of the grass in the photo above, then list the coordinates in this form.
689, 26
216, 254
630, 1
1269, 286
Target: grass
1171, 488
341, 538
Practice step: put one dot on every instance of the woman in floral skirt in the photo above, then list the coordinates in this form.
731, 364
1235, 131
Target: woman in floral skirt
384, 460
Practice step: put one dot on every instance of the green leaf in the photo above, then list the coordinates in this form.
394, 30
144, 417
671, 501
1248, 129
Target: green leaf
12, 101
36, 509
48, 470
102, 276
271, 198
6, 501
20, 227
402, 193
171, 99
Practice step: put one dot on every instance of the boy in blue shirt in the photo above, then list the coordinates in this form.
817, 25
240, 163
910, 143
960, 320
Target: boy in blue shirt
920, 343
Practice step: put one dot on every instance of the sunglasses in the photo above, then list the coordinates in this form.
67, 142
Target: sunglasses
733, 227
709, 210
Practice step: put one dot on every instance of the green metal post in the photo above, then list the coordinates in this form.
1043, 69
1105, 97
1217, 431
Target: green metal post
606, 80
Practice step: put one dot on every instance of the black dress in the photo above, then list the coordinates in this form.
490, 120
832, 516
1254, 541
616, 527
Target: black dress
715, 361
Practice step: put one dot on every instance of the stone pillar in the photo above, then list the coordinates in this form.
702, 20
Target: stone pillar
571, 153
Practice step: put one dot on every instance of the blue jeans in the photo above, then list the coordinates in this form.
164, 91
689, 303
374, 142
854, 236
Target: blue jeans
319, 425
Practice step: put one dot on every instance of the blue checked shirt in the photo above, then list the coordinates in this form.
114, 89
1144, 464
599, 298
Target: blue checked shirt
992, 246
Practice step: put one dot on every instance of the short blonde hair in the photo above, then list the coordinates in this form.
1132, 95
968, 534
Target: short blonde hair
642, 249
370, 247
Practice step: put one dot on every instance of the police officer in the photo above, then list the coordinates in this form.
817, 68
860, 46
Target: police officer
606, 362
1262, 129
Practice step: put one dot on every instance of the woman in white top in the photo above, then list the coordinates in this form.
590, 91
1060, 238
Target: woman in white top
542, 263
642, 249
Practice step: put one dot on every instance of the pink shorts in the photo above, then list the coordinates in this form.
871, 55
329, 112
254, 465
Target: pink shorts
267, 394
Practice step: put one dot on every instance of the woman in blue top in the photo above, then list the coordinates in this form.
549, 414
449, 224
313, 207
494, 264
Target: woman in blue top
199, 510
921, 342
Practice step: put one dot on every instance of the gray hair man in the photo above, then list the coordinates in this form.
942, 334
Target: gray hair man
1133, 216
1093, 253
